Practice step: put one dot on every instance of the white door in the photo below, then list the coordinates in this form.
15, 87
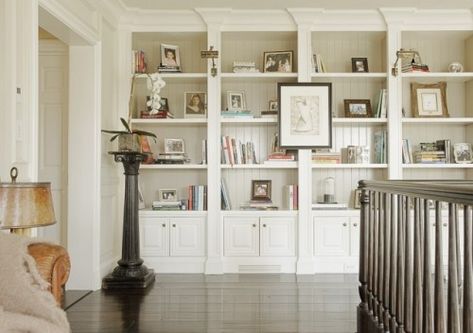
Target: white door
187, 236
355, 236
53, 113
154, 236
277, 236
331, 236
241, 236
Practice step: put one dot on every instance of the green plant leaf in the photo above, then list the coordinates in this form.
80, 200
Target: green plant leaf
114, 137
125, 124
114, 132
144, 133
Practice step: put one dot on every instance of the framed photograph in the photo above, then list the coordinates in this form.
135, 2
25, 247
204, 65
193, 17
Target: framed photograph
278, 61
357, 108
429, 100
236, 101
168, 195
305, 115
462, 153
356, 198
195, 104
164, 106
260, 190
273, 106
170, 55
359, 65
174, 146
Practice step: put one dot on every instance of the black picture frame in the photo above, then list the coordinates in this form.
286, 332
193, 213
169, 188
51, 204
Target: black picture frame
359, 65
303, 100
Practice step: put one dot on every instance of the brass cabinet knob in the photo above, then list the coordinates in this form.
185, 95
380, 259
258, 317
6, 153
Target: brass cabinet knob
355, 224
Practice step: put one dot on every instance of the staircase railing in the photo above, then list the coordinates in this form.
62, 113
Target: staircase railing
405, 285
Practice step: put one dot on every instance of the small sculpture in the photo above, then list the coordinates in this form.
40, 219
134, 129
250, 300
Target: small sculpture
455, 67
154, 83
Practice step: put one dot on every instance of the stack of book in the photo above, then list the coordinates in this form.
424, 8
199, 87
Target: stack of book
236, 152
159, 115
138, 61
381, 108
172, 158
244, 67
326, 157
413, 67
446, 146
429, 153
380, 147
291, 196
280, 157
406, 152
168, 69
318, 64
197, 197
167, 205
269, 114
237, 114
225, 204
258, 205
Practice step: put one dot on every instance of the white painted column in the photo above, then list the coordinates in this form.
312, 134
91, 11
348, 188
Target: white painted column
84, 166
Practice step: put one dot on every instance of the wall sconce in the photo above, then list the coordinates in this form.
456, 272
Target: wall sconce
405, 54
210, 54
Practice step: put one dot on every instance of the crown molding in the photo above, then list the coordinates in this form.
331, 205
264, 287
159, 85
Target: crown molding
214, 16
428, 19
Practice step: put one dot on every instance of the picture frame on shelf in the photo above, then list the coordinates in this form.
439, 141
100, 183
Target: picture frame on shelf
170, 56
356, 198
278, 61
429, 100
357, 108
462, 153
236, 101
359, 65
261, 190
273, 106
174, 146
164, 106
167, 195
305, 115
195, 104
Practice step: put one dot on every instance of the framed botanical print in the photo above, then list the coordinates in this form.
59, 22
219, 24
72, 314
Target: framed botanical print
429, 100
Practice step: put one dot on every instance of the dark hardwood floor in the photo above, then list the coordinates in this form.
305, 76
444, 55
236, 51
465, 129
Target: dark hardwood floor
228, 303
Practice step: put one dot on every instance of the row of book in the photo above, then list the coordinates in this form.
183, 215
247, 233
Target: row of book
225, 204
429, 153
235, 152
380, 146
381, 106
138, 61
291, 197
197, 197
318, 65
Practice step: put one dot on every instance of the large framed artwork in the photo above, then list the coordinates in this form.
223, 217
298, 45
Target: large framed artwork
429, 100
305, 115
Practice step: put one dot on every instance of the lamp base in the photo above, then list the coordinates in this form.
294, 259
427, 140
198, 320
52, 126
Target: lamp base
118, 280
22, 232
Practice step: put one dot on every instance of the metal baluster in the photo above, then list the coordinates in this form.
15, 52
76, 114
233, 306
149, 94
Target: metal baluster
417, 273
468, 271
427, 318
401, 234
439, 311
371, 254
453, 318
395, 216
387, 260
381, 228
409, 270
375, 259
364, 259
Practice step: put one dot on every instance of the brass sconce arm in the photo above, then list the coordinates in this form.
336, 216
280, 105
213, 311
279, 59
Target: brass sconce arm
210, 54
404, 54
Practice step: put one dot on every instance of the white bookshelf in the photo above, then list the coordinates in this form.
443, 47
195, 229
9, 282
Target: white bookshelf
350, 166
267, 165
173, 166
437, 166
170, 122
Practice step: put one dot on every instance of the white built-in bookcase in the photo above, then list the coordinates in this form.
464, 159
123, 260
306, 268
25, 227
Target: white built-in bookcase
441, 37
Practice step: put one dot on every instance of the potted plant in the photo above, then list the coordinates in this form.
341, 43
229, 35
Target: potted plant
129, 140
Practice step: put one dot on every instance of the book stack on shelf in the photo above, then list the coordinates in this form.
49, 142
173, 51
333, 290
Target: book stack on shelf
381, 109
237, 114
280, 157
138, 61
380, 147
406, 152
169, 69
225, 204
162, 114
325, 156
269, 114
413, 67
197, 197
172, 158
291, 193
167, 205
258, 205
318, 65
244, 67
429, 153
236, 152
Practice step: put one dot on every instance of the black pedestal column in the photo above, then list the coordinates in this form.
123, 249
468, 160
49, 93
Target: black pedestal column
130, 272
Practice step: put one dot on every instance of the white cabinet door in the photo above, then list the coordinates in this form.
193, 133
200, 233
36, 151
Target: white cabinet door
331, 236
355, 236
154, 236
277, 236
187, 237
241, 236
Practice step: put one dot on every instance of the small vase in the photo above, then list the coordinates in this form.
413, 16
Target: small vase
129, 142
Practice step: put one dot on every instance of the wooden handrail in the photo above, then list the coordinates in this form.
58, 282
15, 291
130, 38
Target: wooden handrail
402, 273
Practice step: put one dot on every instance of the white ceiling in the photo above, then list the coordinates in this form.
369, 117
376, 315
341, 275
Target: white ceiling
282, 4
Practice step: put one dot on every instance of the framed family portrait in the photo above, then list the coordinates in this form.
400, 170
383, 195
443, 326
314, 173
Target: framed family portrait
305, 115
359, 65
462, 153
261, 190
429, 100
170, 55
236, 101
278, 61
357, 108
168, 195
195, 104
174, 146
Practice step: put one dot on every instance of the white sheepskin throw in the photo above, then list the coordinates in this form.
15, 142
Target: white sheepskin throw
26, 306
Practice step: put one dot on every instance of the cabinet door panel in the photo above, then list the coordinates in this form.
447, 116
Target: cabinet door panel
154, 236
277, 236
241, 236
187, 237
331, 236
355, 236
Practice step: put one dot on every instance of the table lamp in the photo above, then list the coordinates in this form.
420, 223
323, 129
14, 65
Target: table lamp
25, 205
